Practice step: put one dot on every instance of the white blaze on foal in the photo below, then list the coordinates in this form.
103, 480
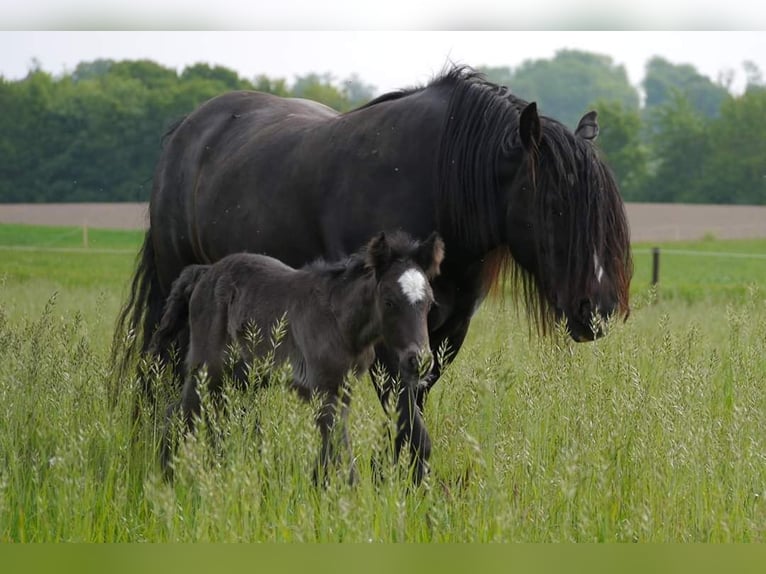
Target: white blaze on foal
413, 284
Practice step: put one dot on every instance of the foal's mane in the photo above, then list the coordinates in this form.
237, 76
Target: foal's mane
402, 246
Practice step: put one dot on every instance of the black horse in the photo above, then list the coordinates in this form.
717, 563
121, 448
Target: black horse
335, 314
512, 193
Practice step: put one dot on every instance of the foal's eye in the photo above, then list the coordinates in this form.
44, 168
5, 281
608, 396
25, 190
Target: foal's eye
388, 304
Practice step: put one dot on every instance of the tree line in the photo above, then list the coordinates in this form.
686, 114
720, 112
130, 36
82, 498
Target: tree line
94, 134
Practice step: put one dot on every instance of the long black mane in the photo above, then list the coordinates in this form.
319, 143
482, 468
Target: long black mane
596, 217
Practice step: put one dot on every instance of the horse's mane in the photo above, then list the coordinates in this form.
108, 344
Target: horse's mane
481, 128
596, 216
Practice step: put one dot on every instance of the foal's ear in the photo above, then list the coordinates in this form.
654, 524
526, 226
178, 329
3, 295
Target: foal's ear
530, 131
430, 255
588, 126
378, 253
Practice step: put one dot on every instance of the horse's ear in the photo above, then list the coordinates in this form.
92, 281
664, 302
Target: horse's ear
430, 255
588, 126
378, 253
530, 131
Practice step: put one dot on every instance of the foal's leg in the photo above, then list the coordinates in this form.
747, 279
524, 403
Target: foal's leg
189, 405
206, 347
353, 475
325, 420
412, 429
329, 453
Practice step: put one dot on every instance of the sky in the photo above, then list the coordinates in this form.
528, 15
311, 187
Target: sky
386, 59
415, 50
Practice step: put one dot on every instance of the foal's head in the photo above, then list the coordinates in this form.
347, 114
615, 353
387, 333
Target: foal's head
403, 268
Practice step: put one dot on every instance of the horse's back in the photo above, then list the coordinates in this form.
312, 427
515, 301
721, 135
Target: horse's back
227, 115
292, 178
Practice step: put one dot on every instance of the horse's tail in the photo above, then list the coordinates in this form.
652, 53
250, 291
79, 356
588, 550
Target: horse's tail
173, 328
140, 314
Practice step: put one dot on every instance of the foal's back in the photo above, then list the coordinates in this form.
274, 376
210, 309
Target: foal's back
237, 292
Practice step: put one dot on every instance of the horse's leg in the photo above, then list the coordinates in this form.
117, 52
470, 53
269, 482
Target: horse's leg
451, 335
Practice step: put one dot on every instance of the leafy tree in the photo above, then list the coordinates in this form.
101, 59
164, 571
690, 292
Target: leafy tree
226, 77
754, 76
501, 75
662, 79
320, 88
90, 70
565, 85
24, 131
276, 86
151, 74
735, 171
94, 134
620, 143
681, 147
356, 91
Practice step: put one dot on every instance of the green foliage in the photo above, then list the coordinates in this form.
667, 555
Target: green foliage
734, 171
693, 142
620, 143
219, 74
322, 88
277, 86
663, 79
681, 147
94, 134
566, 85
695, 159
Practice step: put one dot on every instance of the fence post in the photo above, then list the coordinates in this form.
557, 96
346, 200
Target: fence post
85, 234
655, 265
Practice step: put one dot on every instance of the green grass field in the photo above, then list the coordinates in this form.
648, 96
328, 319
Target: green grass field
654, 433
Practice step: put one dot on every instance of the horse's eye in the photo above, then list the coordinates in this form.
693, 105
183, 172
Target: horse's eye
388, 303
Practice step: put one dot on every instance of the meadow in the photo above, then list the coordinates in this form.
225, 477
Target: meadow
654, 433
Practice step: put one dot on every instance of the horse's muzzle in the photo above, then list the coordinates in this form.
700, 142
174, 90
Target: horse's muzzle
416, 364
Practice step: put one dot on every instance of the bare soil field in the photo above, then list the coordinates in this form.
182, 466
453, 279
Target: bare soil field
648, 221
101, 215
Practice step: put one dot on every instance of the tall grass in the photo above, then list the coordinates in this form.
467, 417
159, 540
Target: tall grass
654, 433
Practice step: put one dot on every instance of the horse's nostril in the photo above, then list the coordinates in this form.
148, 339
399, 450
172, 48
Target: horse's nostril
413, 362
